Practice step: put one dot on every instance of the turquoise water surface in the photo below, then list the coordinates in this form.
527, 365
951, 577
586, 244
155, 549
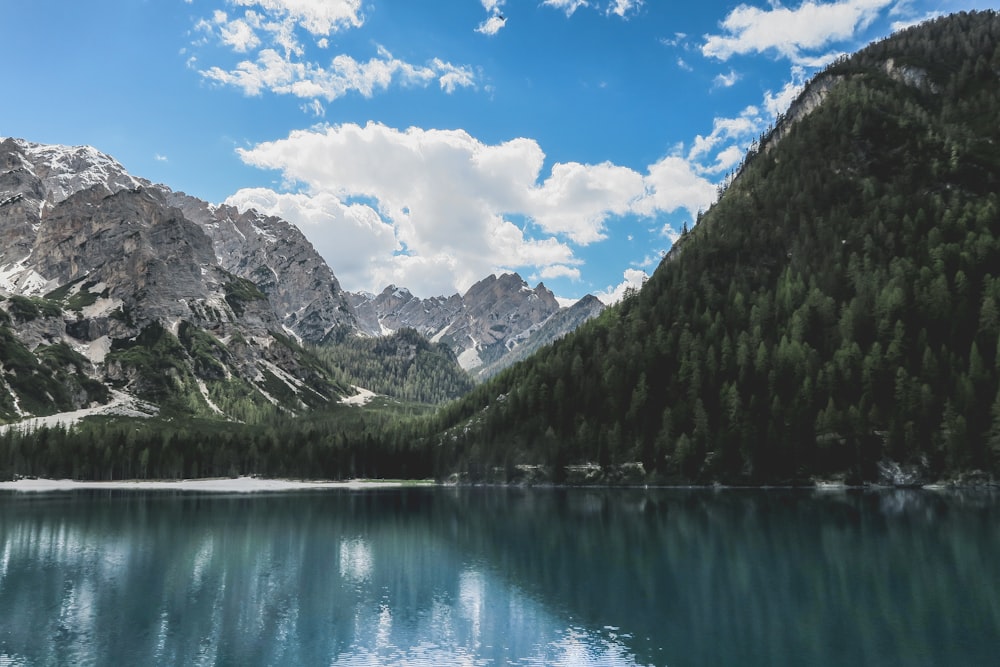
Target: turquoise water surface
445, 576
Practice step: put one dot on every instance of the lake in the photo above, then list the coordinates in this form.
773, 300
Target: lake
492, 576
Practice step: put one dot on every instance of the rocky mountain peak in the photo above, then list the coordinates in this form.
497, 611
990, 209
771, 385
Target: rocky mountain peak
65, 170
480, 326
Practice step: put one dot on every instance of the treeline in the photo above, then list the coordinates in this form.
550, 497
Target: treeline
839, 305
345, 444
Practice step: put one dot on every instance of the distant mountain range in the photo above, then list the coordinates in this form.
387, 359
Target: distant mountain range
113, 286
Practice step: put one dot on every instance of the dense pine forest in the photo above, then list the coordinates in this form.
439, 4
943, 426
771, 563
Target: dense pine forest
839, 305
837, 308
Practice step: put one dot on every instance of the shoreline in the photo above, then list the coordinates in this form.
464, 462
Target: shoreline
215, 485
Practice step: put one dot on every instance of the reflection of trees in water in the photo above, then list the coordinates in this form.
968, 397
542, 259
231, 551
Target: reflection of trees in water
679, 576
757, 577
295, 579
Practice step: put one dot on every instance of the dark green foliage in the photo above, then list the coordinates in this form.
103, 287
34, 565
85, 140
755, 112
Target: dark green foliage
403, 365
209, 355
240, 292
52, 379
343, 443
839, 305
80, 299
25, 309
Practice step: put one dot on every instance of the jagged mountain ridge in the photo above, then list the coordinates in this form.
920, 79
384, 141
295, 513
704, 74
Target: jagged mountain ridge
94, 257
102, 267
484, 327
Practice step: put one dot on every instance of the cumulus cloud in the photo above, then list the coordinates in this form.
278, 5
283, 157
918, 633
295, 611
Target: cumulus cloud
791, 32
495, 21
492, 25
672, 184
435, 210
632, 279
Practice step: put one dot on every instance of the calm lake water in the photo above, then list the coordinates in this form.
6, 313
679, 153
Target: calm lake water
434, 576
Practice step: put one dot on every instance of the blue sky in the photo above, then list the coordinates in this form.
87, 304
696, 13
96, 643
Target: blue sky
428, 144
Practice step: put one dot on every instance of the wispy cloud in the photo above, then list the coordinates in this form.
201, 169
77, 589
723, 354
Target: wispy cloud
619, 8
726, 80
279, 74
622, 8
568, 6
271, 31
795, 34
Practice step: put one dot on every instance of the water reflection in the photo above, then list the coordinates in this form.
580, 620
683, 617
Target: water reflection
499, 576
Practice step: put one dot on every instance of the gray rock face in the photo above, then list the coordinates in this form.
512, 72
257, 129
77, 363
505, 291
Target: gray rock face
481, 326
555, 327
274, 255
102, 262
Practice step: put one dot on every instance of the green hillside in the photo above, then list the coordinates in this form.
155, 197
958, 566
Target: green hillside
838, 307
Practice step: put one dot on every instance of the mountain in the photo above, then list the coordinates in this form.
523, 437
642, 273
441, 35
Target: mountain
114, 287
484, 327
112, 283
835, 315
557, 325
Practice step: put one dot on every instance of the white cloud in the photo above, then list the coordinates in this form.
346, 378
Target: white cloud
623, 7
269, 29
318, 17
727, 80
672, 184
492, 25
279, 74
560, 271
744, 126
633, 279
576, 199
443, 194
726, 159
811, 26
568, 6
778, 103
456, 208
239, 35
619, 8
161, 158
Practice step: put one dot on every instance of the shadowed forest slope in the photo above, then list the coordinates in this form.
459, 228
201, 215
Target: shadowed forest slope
839, 306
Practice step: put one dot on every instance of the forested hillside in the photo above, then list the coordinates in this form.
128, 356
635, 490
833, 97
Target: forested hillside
839, 306
402, 365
